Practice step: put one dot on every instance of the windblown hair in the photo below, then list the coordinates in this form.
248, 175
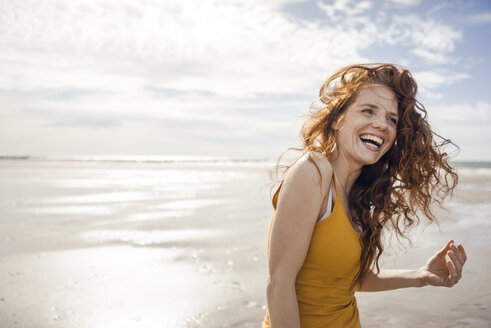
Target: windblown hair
404, 183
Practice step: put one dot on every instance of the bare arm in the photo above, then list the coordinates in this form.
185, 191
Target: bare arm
296, 212
389, 279
438, 271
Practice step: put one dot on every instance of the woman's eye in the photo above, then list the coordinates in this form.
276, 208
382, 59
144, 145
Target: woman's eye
367, 110
393, 120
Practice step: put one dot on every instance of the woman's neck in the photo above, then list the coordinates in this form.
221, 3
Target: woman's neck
345, 173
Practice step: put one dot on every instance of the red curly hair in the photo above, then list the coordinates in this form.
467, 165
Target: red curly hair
403, 184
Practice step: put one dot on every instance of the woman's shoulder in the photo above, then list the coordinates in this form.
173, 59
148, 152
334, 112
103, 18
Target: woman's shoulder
312, 167
317, 162
319, 159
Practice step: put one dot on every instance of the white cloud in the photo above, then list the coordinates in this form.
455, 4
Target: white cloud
467, 125
406, 2
481, 18
440, 6
463, 113
434, 36
429, 39
109, 66
429, 81
432, 56
427, 34
342, 8
233, 49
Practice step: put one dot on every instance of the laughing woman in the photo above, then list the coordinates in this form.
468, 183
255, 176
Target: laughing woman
369, 163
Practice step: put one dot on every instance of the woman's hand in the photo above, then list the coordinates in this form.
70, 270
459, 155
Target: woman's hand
439, 271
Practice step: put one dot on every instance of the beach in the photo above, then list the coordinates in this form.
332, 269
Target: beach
127, 243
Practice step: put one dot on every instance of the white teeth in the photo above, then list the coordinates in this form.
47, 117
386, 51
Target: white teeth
375, 139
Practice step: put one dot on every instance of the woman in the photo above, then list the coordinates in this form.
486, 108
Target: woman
369, 163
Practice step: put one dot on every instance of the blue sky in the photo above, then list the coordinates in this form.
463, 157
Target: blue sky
224, 78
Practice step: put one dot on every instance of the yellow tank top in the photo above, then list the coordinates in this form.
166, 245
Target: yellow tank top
331, 264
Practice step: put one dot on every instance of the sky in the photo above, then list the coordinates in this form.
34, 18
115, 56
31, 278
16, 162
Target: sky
225, 78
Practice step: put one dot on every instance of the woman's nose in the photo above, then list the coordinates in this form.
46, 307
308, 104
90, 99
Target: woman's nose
380, 122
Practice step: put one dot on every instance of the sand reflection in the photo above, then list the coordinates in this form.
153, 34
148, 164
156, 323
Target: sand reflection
103, 287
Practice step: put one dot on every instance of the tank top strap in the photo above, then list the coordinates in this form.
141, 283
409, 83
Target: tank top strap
335, 185
330, 201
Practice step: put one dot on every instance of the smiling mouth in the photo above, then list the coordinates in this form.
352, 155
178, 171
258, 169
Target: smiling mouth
372, 140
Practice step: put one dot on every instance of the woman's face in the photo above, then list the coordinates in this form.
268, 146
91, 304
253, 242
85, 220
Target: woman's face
369, 126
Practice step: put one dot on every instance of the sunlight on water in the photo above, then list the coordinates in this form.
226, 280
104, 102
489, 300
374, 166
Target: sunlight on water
110, 197
69, 210
470, 215
110, 287
146, 238
187, 204
475, 171
151, 216
486, 186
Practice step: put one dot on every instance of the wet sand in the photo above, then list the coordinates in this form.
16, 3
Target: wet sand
86, 244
